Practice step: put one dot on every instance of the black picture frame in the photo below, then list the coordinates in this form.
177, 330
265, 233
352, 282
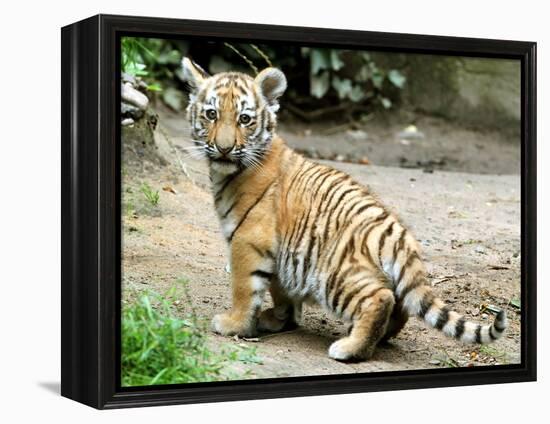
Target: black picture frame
91, 208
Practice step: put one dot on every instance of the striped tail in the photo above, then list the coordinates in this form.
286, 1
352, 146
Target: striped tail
419, 299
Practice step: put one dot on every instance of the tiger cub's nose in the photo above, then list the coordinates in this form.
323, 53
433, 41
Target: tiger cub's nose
224, 150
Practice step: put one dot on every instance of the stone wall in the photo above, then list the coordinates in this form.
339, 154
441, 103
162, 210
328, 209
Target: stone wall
478, 92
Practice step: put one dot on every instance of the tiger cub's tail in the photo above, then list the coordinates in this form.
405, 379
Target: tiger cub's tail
420, 300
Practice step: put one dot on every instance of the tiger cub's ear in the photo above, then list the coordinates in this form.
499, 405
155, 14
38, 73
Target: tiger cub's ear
272, 84
193, 74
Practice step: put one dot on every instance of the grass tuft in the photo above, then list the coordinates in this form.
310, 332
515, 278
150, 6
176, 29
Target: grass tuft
151, 195
161, 347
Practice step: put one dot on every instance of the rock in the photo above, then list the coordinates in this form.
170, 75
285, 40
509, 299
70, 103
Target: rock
127, 121
313, 153
480, 249
130, 111
411, 133
128, 78
357, 134
130, 95
173, 98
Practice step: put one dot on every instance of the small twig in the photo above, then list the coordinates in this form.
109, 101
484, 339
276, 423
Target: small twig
497, 267
339, 128
318, 113
262, 54
246, 59
268, 336
442, 279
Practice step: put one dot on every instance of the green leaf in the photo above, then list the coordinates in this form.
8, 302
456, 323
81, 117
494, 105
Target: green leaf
154, 87
342, 86
319, 60
363, 74
516, 303
319, 84
136, 69
335, 60
356, 94
366, 56
172, 57
377, 79
397, 78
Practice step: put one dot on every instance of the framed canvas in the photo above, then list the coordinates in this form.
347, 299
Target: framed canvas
254, 211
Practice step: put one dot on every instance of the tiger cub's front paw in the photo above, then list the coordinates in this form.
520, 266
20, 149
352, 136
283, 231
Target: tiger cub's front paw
227, 325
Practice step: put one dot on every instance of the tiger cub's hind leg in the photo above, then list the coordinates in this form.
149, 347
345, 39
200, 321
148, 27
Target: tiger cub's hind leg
398, 319
284, 315
368, 328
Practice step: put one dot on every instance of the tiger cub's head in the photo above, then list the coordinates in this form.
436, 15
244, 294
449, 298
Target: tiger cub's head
232, 115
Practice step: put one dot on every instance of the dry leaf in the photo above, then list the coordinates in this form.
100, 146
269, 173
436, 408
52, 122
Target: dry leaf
169, 189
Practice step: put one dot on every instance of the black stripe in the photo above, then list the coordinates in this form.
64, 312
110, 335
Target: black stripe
249, 209
459, 327
262, 274
340, 197
334, 208
498, 327
426, 303
478, 334
310, 244
332, 189
228, 211
298, 176
442, 318
343, 208
378, 219
398, 245
410, 259
361, 209
297, 243
309, 182
499, 320
302, 230
339, 284
360, 302
493, 337
417, 280
228, 181
349, 297
294, 231
318, 187
382, 240
336, 281
336, 269
259, 251
336, 244
365, 207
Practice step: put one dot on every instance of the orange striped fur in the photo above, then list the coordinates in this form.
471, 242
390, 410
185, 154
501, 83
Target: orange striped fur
305, 231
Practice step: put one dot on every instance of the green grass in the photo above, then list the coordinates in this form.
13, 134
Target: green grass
161, 346
151, 195
492, 351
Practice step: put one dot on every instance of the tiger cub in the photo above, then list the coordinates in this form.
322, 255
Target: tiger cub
305, 231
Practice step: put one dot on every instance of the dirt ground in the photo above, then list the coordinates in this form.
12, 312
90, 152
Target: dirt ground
468, 224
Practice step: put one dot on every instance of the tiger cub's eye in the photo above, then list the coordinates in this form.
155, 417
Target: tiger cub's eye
244, 119
211, 114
